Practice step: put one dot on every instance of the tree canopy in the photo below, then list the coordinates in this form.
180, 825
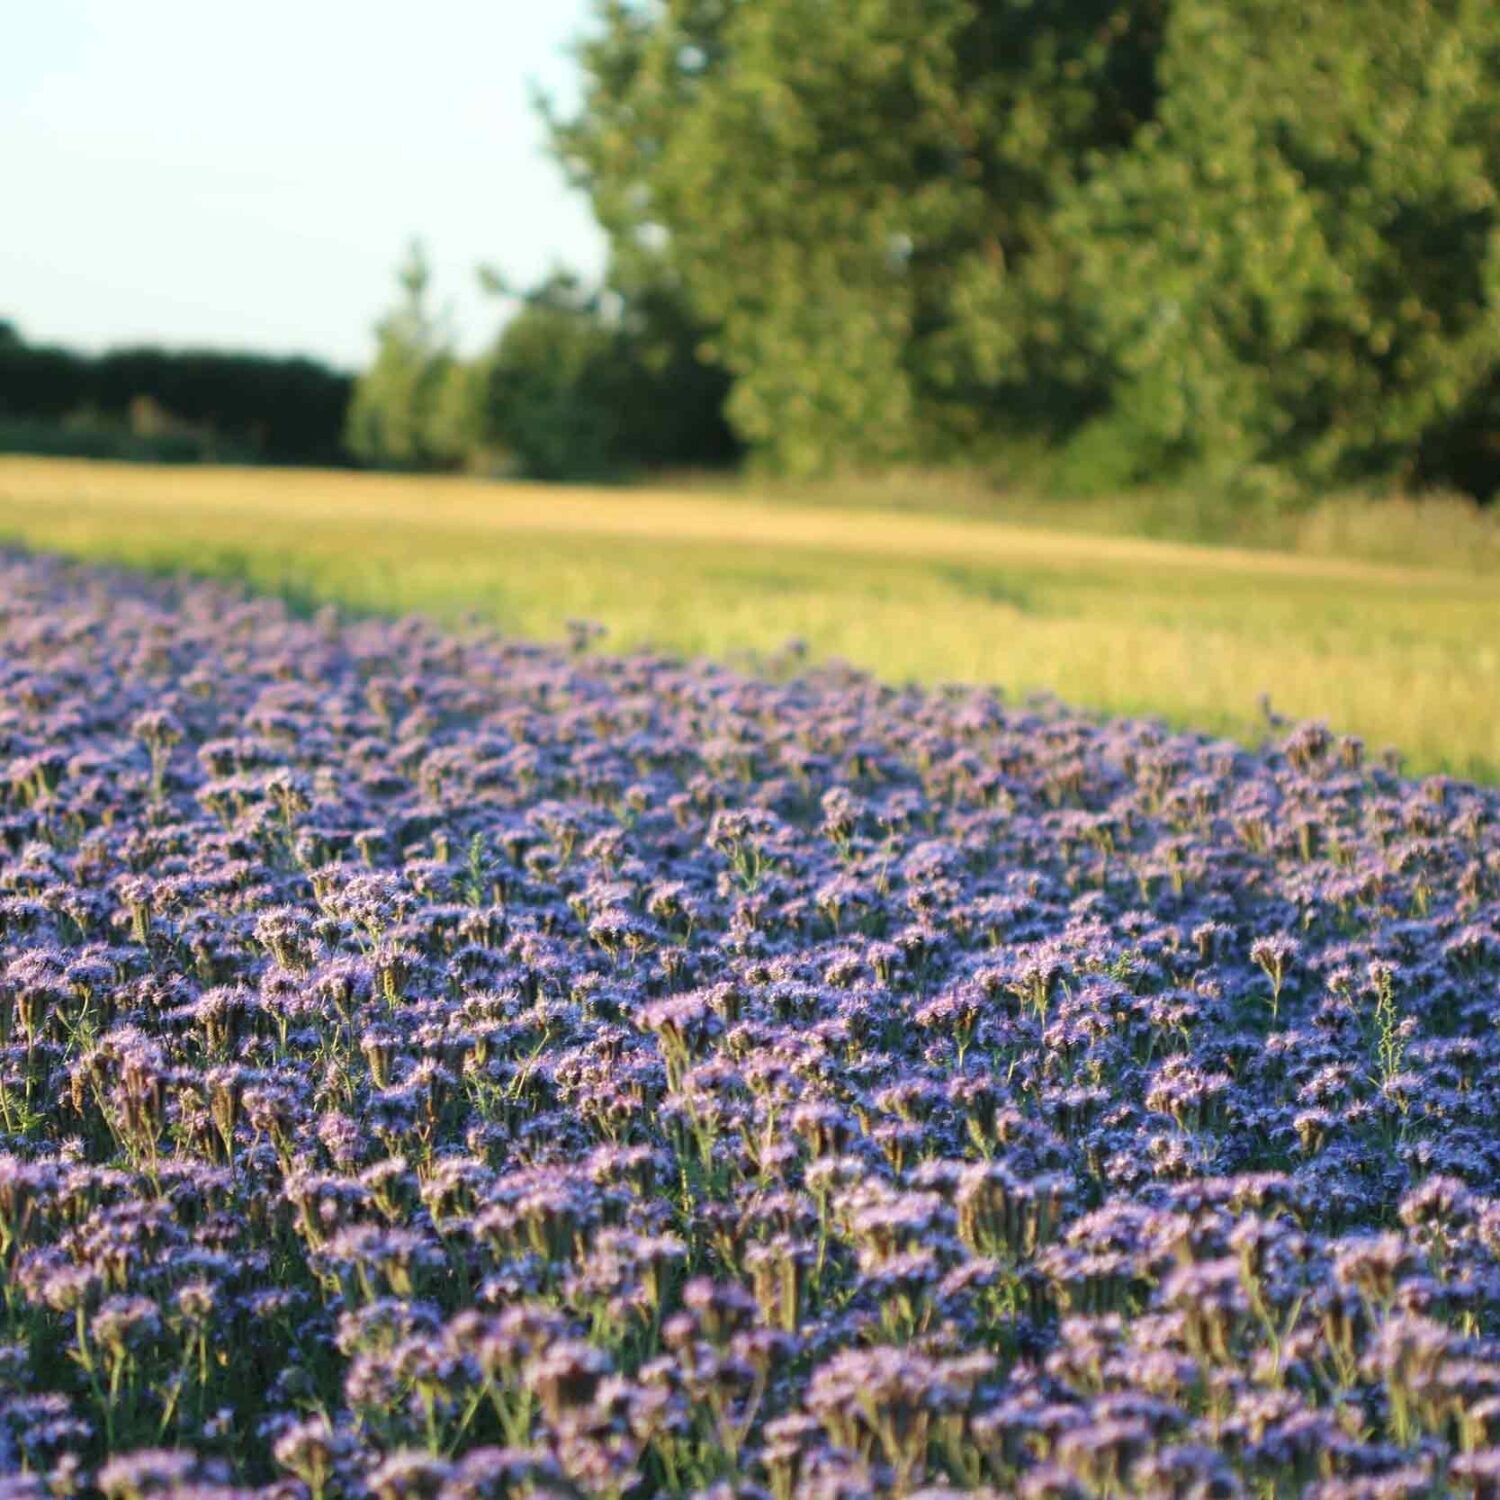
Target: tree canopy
1221, 233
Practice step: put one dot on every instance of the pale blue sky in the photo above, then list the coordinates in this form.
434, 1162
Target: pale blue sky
247, 175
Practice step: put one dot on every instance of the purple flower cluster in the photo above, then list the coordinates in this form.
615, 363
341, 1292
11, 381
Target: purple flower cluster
434, 1066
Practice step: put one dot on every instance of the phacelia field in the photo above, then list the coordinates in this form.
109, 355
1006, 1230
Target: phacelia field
437, 1066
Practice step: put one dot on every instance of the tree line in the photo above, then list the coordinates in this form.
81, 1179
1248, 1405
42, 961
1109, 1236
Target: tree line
1252, 243
580, 382
1228, 238
170, 404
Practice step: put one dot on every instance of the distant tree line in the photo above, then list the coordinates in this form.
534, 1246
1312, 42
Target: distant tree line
170, 404
1198, 237
580, 382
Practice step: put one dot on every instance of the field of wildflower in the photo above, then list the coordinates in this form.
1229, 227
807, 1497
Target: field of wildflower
1402, 656
436, 1066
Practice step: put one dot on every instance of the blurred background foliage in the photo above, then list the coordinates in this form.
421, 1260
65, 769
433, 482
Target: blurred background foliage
169, 405
1245, 248
1250, 239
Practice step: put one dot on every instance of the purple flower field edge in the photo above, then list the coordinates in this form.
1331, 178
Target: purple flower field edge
438, 1066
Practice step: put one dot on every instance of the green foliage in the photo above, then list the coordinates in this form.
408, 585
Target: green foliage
848, 190
456, 429
92, 437
674, 397
581, 383
1250, 238
402, 411
550, 385
585, 384
1299, 260
242, 408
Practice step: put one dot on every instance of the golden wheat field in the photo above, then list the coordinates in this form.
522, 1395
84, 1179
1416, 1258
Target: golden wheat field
1407, 658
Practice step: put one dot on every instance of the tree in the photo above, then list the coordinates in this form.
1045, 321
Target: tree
1222, 234
1299, 262
593, 382
397, 415
455, 429
550, 386
244, 407
850, 192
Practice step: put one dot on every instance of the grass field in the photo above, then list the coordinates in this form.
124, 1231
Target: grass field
1404, 657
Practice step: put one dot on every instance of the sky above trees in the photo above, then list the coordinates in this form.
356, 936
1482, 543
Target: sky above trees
249, 177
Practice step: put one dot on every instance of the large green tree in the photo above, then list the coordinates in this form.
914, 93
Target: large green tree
850, 191
1216, 232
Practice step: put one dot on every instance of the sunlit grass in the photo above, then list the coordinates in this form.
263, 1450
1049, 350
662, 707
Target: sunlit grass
1403, 657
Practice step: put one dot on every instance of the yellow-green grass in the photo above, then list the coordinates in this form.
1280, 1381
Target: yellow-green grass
1403, 657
